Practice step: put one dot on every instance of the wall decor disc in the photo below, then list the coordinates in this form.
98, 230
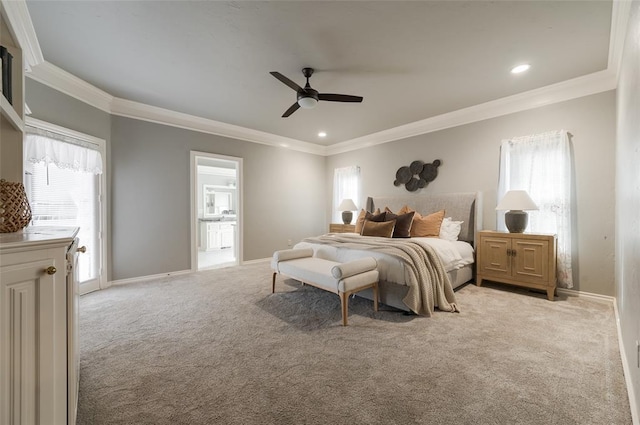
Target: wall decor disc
403, 175
412, 185
422, 183
396, 183
430, 171
416, 167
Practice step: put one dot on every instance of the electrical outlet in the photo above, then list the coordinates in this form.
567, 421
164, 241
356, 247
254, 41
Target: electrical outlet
289, 242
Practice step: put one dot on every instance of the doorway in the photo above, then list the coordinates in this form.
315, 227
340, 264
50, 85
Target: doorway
216, 211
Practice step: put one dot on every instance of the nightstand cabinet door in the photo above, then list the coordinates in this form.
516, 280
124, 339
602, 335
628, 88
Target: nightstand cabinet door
530, 260
495, 260
342, 228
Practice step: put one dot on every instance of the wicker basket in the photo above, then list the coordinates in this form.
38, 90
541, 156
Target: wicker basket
15, 212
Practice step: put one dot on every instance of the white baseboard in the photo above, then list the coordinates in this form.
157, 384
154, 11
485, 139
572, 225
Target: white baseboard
259, 260
583, 294
626, 367
144, 278
177, 273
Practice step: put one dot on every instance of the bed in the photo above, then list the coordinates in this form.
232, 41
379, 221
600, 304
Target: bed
457, 258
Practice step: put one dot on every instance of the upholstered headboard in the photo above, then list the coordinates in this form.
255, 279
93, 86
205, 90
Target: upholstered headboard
466, 207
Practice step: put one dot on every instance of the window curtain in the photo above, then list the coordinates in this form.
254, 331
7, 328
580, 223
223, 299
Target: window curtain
541, 165
346, 184
41, 146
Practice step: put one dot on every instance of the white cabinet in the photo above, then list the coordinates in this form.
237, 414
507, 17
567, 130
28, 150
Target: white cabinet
38, 322
216, 234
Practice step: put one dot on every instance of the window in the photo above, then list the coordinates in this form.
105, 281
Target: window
541, 165
346, 184
63, 180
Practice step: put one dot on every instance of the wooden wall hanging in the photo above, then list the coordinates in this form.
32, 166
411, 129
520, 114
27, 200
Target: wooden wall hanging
417, 175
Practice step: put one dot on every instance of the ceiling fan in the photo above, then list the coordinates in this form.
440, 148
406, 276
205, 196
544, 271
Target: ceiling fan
307, 97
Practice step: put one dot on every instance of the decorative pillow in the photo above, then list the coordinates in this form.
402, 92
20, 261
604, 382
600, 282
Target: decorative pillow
405, 210
403, 223
365, 215
381, 229
450, 229
425, 226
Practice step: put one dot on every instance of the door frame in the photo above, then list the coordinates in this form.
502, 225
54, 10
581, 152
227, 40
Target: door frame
101, 145
193, 157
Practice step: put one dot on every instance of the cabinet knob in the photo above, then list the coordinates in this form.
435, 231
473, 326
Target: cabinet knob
51, 270
82, 249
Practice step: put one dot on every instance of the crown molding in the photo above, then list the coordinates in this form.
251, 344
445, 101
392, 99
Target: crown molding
19, 19
73, 86
61, 80
620, 12
578, 87
67, 83
141, 111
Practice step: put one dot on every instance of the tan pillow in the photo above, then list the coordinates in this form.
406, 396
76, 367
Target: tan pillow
383, 229
362, 217
425, 226
405, 210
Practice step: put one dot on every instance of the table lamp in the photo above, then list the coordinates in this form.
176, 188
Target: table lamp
347, 206
516, 202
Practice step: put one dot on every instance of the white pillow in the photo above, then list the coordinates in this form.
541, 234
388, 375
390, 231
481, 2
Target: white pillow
449, 229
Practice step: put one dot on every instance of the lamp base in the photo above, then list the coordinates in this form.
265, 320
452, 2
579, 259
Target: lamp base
347, 216
516, 221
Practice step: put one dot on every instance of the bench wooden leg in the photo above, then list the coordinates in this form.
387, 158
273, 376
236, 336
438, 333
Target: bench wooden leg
344, 302
375, 297
273, 284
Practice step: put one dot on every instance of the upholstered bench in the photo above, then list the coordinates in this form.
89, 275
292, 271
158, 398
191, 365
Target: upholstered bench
343, 279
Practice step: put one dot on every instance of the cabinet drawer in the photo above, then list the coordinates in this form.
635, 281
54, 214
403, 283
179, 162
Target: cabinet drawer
342, 228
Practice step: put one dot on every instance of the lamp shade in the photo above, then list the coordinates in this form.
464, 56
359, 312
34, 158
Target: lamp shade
516, 200
347, 205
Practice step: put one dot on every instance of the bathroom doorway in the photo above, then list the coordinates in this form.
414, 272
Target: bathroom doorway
216, 211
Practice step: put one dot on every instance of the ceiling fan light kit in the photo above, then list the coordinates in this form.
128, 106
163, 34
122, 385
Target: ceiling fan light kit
307, 102
307, 98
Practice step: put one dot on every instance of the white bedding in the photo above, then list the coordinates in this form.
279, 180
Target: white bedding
454, 255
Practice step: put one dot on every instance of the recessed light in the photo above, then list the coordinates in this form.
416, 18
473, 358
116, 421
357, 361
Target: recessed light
322, 134
520, 68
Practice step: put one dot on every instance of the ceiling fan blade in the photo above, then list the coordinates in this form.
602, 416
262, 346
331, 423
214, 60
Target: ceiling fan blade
291, 110
286, 81
339, 97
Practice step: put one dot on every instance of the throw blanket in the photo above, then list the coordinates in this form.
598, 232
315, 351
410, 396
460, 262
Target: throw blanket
429, 284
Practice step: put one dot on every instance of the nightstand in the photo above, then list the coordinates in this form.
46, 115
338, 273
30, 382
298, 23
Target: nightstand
523, 259
342, 228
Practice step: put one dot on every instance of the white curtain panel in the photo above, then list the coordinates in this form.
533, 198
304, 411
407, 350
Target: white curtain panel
346, 184
40, 148
541, 165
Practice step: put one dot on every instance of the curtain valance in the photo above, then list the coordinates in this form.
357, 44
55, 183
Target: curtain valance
50, 148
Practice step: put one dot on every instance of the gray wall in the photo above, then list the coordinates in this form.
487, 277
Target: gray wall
628, 199
470, 162
50, 105
283, 195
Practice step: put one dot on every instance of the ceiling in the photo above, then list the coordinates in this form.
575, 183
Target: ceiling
409, 60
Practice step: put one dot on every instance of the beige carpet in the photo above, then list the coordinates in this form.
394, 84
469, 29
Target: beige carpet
217, 347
